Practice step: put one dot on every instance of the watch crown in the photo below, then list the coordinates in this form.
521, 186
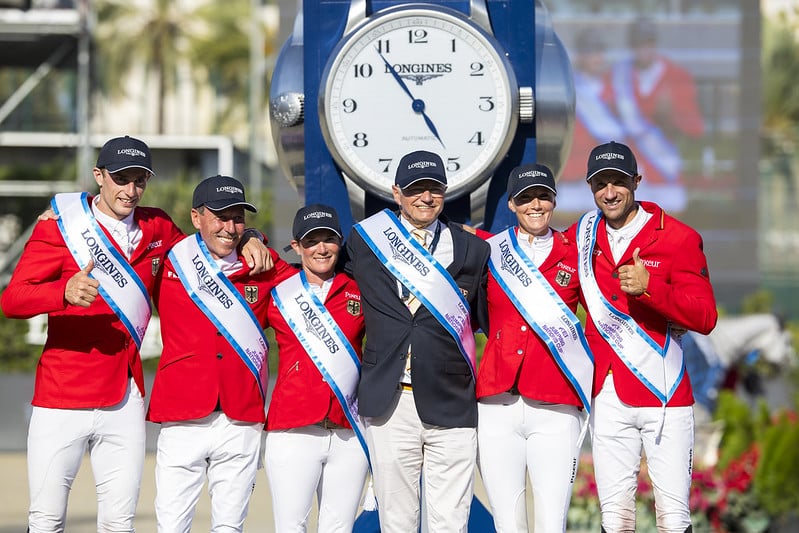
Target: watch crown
288, 109
526, 105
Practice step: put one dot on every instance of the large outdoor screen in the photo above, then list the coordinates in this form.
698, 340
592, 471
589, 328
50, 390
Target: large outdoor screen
680, 83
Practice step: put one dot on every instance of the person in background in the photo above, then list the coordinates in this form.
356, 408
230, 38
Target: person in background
420, 277
643, 280
657, 105
314, 439
535, 377
595, 121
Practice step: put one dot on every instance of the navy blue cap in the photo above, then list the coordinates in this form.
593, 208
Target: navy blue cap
313, 217
611, 156
420, 165
220, 192
532, 175
125, 152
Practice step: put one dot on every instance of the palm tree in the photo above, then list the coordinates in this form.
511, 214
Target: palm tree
222, 53
128, 36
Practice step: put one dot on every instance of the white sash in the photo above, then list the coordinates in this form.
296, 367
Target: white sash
659, 369
419, 271
222, 304
595, 114
658, 151
544, 311
120, 286
325, 344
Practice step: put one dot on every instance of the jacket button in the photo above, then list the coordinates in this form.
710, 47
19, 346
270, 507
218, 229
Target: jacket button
219, 356
523, 328
615, 274
519, 352
614, 297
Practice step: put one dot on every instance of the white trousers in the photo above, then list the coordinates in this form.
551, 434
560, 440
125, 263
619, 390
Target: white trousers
403, 450
517, 436
223, 450
57, 441
619, 432
301, 462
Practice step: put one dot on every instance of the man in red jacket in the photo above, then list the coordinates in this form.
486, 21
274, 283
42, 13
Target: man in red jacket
90, 269
209, 390
535, 377
314, 442
643, 279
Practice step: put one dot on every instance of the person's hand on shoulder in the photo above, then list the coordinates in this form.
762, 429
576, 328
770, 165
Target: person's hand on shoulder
255, 252
470, 229
47, 214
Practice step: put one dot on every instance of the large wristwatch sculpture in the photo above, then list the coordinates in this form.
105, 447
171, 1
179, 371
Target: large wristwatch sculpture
417, 76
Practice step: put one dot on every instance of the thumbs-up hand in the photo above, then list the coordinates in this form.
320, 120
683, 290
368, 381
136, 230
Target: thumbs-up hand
634, 278
81, 289
47, 214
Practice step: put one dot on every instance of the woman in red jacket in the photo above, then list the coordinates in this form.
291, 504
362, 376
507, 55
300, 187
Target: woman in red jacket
534, 381
313, 443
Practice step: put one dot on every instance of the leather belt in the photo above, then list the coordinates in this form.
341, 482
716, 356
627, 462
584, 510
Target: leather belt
326, 423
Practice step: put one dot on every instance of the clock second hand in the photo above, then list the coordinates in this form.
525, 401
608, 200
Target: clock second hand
417, 104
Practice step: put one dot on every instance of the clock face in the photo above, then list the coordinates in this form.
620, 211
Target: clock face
418, 79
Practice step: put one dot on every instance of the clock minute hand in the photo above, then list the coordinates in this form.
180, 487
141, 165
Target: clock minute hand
417, 104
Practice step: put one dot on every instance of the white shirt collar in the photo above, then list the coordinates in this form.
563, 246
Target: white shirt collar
229, 264
619, 239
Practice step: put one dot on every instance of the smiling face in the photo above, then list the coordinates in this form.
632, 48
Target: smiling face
220, 230
421, 202
318, 251
533, 207
614, 195
120, 192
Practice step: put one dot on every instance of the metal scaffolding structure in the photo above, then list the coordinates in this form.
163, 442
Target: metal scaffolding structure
37, 38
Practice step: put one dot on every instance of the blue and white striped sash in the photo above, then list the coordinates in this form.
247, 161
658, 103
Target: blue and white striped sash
222, 304
660, 369
120, 286
324, 342
544, 310
423, 275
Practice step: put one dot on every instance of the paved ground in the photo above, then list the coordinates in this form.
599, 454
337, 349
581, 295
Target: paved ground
81, 513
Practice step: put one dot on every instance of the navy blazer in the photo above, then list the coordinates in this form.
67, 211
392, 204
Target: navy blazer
443, 385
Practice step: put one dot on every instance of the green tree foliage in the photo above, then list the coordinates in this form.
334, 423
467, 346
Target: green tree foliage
212, 39
131, 37
780, 72
16, 354
775, 478
221, 54
742, 426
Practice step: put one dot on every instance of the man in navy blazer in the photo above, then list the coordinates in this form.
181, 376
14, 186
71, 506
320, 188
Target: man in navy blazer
417, 387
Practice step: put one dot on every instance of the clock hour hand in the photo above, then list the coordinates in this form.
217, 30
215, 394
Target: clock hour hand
417, 104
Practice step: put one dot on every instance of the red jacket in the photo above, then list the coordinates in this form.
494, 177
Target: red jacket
678, 292
301, 396
514, 349
198, 366
89, 354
